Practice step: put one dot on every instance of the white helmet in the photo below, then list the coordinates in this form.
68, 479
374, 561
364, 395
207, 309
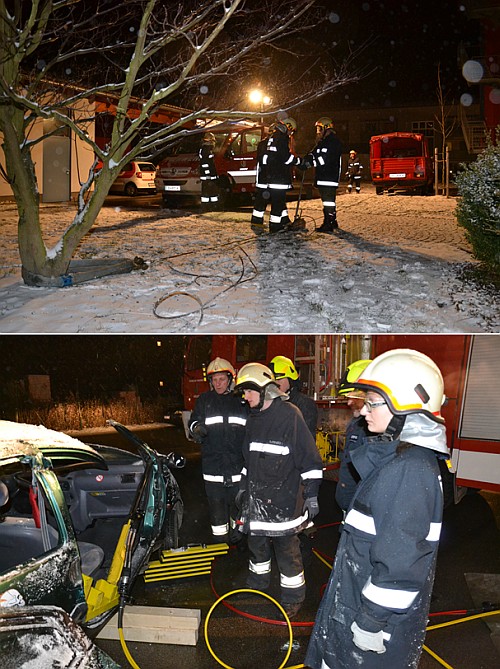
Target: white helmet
408, 380
254, 376
221, 365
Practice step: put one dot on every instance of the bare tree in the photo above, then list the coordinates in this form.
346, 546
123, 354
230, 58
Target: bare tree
443, 122
54, 54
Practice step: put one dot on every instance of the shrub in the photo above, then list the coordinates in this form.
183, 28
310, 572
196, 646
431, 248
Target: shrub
478, 210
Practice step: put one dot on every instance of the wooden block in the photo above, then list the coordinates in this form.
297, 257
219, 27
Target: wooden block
155, 624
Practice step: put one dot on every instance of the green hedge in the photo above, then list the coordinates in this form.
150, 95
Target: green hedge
478, 210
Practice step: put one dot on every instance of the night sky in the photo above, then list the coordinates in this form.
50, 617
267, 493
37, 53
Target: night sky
92, 366
406, 40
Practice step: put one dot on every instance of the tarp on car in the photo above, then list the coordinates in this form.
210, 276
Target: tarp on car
18, 440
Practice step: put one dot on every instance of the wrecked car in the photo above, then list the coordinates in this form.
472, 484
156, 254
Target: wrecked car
43, 565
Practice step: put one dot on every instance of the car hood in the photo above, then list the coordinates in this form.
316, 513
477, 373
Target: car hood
20, 440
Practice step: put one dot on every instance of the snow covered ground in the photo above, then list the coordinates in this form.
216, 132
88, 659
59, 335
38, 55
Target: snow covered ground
394, 267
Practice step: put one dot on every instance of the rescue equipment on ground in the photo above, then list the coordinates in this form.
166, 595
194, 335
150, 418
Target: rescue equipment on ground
184, 562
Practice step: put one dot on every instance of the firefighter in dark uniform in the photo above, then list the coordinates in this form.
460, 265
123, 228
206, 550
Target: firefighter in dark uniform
278, 160
374, 611
279, 486
288, 381
261, 195
208, 174
353, 174
218, 423
356, 431
327, 160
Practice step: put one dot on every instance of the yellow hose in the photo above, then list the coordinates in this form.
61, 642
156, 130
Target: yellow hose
436, 657
129, 657
255, 592
464, 620
322, 560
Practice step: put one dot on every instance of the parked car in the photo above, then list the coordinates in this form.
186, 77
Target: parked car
43, 567
137, 176
235, 159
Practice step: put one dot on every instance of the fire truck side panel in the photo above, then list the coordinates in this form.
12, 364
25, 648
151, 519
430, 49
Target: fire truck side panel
471, 370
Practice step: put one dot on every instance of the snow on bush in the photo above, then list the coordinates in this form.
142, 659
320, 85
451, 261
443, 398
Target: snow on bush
478, 210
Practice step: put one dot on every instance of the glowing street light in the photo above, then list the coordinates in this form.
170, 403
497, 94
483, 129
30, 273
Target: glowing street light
258, 97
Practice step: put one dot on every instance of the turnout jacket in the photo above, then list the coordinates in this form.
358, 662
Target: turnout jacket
327, 160
277, 161
261, 177
282, 468
386, 558
224, 417
354, 168
355, 432
307, 407
208, 170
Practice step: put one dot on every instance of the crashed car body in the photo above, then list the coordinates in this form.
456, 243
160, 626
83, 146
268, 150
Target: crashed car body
42, 564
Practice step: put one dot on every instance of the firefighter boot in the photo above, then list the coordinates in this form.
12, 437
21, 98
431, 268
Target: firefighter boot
329, 223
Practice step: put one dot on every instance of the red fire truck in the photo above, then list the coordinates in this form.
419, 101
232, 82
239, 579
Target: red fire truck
401, 161
470, 365
235, 159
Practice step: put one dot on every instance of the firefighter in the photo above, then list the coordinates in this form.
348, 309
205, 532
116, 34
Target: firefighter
374, 611
279, 486
277, 161
327, 160
356, 431
218, 424
208, 174
287, 377
353, 174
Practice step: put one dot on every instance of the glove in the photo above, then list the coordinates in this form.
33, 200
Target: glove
306, 163
311, 506
368, 640
199, 432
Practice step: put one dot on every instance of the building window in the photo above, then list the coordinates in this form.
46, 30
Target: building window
424, 127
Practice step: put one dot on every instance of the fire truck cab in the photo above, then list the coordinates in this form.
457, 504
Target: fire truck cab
401, 161
235, 160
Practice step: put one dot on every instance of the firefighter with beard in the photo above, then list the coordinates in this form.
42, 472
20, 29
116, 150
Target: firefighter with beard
374, 611
279, 486
288, 380
327, 160
218, 424
356, 431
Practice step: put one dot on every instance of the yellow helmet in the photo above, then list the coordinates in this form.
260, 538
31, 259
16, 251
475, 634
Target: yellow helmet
352, 152
290, 124
408, 380
323, 123
283, 367
221, 365
351, 374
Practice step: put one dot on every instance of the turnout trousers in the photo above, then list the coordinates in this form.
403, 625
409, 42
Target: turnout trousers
289, 559
278, 218
328, 197
223, 512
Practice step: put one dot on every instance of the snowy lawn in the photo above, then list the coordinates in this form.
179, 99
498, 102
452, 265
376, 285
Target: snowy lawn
395, 266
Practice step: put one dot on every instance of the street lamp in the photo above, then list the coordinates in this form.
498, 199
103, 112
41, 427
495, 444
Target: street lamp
258, 97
